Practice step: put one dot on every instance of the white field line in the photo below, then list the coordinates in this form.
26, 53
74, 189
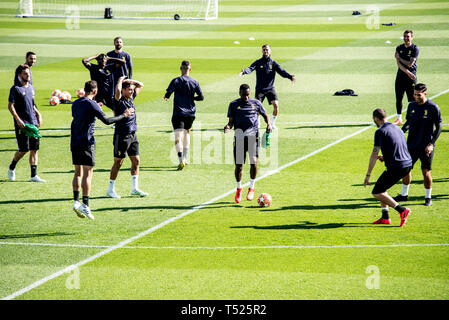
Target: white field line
232, 247
166, 222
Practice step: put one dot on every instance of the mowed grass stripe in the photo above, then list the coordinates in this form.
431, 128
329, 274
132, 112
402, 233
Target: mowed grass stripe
123, 259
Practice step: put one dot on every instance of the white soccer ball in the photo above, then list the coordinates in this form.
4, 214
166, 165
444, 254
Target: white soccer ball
80, 92
264, 200
56, 93
66, 95
54, 101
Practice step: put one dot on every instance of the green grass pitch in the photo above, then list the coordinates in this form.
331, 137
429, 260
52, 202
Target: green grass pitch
188, 239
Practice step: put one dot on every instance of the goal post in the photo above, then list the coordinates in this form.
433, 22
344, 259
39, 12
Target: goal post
120, 9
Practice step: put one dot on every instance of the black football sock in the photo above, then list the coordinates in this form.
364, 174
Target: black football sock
33, 170
76, 195
385, 214
180, 156
86, 200
12, 165
399, 208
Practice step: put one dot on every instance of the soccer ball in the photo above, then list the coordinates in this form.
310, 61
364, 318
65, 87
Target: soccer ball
264, 200
80, 93
54, 101
66, 95
56, 93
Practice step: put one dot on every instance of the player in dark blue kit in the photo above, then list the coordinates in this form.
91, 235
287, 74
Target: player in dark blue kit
243, 115
82, 144
187, 90
423, 123
119, 70
266, 69
406, 55
102, 74
23, 109
389, 139
125, 137
30, 60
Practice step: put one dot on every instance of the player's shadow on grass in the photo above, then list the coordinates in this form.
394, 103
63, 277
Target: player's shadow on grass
215, 205
8, 150
418, 198
158, 168
307, 225
193, 130
33, 235
44, 200
324, 126
414, 182
347, 207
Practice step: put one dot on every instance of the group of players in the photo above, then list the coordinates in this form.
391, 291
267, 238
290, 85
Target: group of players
112, 85
423, 123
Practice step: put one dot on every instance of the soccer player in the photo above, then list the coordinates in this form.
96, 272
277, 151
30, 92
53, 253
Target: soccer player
30, 60
266, 69
423, 123
406, 55
82, 144
187, 90
243, 114
125, 138
23, 110
119, 69
102, 74
390, 139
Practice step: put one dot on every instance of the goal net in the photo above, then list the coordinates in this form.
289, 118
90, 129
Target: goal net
120, 9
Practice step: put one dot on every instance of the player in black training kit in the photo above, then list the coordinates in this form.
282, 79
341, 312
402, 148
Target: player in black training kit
125, 138
119, 70
406, 55
389, 139
23, 109
266, 69
423, 123
30, 60
85, 111
102, 74
243, 114
187, 90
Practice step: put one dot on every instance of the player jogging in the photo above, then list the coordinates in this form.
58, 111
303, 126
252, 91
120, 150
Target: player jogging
30, 60
423, 123
406, 55
243, 114
187, 90
125, 138
24, 112
266, 69
82, 144
102, 74
389, 139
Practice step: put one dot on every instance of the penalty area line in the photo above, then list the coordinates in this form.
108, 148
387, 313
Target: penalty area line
173, 219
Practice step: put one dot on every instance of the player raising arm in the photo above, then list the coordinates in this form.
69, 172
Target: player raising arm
125, 138
85, 111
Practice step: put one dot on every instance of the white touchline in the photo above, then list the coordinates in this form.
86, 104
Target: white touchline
160, 225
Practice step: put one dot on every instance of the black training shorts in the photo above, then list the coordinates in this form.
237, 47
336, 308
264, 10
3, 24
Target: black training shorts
83, 156
389, 178
269, 94
182, 122
246, 144
126, 144
24, 142
426, 161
